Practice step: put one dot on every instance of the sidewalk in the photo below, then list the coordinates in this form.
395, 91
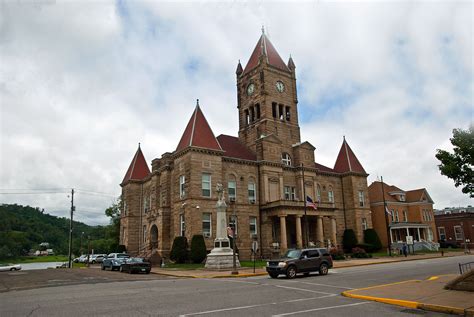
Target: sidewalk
427, 294
248, 272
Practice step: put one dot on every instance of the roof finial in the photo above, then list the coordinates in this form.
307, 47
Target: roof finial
263, 29
197, 102
138, 144
344, 137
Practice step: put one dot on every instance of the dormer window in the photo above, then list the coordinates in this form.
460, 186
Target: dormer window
286, 159
402, 197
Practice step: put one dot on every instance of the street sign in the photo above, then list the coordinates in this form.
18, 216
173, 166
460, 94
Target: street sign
254, 246
409, 239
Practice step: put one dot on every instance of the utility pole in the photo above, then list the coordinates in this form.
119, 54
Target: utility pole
306, 229
389, 242
70, 228
234, 261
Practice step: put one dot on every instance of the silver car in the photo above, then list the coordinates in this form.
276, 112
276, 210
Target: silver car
9, 267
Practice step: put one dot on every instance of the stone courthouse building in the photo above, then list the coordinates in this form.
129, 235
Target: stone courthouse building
266, 172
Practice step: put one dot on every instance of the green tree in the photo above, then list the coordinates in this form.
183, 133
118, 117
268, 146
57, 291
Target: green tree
372, 238
179, 250
349, 240
198, 249
112, 232
459, 165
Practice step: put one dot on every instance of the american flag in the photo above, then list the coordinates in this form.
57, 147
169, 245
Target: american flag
309, 202
388, 211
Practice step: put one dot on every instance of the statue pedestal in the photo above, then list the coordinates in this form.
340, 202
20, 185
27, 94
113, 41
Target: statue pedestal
221, 257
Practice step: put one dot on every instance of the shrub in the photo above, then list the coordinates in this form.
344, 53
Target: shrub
179, 252
337, 254
371, 237
349, 240
360, 253
198, 249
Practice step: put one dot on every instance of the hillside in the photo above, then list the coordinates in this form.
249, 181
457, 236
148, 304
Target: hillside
23, 228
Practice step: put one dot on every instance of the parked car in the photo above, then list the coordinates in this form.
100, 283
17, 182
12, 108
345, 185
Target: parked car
300, 261
113, 261
135, 265
448, 244
9, 267
96, 258
80, 259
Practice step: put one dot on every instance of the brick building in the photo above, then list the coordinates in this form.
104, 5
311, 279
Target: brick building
455, 228
409, 213
266, 171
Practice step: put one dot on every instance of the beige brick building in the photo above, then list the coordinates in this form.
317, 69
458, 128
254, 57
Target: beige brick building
267, 172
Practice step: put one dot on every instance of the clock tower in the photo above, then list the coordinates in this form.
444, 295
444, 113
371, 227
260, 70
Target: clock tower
267, 99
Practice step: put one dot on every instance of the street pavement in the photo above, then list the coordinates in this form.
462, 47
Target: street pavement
255, 296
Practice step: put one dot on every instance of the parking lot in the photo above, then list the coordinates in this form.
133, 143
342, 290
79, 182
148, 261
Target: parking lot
22, 280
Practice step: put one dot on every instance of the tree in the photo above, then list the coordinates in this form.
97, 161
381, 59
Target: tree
372, 238
113, 230
198, 249
459, 165
179, 250
349, 240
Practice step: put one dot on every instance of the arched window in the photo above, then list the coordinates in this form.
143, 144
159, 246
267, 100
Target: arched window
330, 194
318, 193
286, 159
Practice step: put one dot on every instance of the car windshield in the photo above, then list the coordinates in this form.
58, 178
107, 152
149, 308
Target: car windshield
135, 260
122, 256
293, 254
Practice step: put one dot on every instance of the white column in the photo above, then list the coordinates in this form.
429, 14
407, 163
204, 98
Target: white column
408, 232
299, 235
391, 237
419, 236
333, 231
283, 241
319, 230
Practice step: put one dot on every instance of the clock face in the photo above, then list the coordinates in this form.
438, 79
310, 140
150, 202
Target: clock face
250, 89
280, 86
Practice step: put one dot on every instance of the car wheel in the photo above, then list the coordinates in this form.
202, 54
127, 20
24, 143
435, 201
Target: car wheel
93, 262
102, 267
273, 275
323, 269
147, 272
12, 269
291, 271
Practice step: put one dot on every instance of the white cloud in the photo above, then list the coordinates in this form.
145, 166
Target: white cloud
82, 83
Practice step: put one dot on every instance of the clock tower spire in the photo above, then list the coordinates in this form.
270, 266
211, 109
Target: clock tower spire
267, 99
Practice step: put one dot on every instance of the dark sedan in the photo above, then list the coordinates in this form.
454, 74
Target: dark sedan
135, 265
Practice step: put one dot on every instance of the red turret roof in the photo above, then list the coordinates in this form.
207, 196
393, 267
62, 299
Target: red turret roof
347, 161
198, 133
265, 48
138, 168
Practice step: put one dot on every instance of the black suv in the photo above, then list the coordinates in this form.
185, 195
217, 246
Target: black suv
301, 261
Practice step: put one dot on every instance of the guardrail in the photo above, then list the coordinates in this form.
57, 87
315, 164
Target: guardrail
465, 267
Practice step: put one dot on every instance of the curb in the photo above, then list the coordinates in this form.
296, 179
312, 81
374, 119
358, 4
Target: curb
405, 303
210, 276
395, 261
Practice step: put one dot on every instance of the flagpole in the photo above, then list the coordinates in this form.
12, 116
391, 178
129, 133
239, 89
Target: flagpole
389, 242
305, 216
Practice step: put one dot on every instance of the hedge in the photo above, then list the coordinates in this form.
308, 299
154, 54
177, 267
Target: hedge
198, 249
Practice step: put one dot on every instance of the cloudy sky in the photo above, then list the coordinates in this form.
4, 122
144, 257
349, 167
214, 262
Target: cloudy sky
81, 83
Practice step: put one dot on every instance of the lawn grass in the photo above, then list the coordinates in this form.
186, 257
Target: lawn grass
184, 266
36, 259
258, 263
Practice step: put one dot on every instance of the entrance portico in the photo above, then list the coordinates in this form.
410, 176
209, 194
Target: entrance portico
290, 230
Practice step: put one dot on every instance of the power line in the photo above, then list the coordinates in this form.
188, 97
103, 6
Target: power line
33, 193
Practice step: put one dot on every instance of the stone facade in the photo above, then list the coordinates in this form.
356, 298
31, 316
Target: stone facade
270, 168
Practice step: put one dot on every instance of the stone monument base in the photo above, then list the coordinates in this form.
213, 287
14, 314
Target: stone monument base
221, 261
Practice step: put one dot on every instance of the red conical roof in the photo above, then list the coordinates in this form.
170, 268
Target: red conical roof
347, 161
198, 133
265, 48
138, 168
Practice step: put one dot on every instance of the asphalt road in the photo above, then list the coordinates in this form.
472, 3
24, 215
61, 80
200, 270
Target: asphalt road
258, 296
